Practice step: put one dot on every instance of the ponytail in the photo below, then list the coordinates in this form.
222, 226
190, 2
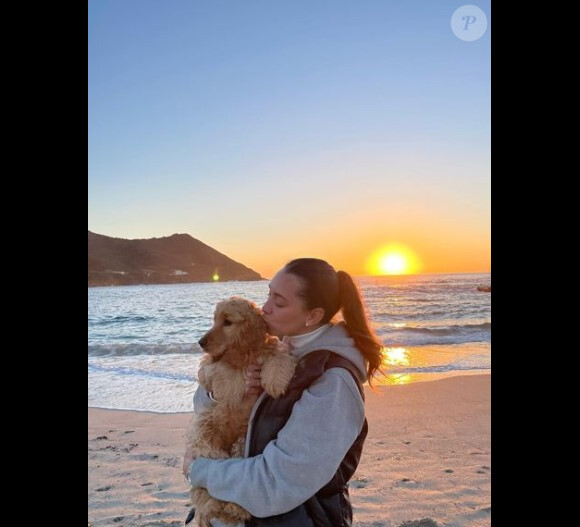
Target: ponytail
357, 324
324, 287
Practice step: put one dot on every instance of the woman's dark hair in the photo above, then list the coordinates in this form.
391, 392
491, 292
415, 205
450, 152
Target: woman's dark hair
332, 290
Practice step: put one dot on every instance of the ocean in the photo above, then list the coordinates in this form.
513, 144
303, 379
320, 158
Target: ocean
143, 351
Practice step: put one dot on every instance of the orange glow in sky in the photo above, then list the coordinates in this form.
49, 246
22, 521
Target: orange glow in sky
393, 259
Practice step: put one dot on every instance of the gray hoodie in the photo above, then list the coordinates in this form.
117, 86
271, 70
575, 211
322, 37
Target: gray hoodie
309, 449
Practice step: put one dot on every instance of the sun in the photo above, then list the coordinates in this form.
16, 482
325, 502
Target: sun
393, 259
393, 264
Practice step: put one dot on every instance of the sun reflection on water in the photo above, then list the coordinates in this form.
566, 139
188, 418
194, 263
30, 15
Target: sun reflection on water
395, 356
398, 378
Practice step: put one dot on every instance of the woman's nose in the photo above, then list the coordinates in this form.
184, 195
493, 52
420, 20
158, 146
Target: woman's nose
266, 307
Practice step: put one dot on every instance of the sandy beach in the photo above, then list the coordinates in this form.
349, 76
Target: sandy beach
427, 460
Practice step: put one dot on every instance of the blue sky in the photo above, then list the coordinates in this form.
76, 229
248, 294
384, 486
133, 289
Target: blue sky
292, 125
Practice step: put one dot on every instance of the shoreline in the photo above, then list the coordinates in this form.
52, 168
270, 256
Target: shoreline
391, 379
427, 455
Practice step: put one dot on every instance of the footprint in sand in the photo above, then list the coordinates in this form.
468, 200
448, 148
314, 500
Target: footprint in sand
171, 461
144, 457
408, 481
358, 483
121, 448
423, 522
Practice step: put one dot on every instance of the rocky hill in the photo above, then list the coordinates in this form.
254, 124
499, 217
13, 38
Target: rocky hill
179, 258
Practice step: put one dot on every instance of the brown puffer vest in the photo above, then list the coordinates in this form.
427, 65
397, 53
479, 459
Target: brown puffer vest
330, 506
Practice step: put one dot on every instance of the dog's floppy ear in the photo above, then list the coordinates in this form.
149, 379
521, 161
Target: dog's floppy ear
252, 331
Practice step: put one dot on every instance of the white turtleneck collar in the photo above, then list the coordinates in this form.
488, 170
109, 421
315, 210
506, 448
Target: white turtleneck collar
300, 340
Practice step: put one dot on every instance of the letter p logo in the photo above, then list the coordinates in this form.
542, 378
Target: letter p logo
469, 22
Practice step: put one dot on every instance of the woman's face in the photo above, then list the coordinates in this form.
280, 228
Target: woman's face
284, 311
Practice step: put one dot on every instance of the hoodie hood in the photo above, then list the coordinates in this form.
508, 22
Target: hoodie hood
335, 338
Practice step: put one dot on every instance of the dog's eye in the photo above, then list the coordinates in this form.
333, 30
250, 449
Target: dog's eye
227, 322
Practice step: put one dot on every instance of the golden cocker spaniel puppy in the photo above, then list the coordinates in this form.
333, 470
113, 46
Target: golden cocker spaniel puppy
237, 338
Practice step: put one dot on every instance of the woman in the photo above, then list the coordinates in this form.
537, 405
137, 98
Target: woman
303, 447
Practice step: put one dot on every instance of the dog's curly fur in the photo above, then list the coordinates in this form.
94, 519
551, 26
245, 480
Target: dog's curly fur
238, 337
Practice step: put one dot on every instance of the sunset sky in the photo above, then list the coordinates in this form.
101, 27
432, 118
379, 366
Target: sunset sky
272, 130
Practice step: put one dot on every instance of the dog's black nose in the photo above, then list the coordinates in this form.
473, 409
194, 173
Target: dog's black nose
202, 342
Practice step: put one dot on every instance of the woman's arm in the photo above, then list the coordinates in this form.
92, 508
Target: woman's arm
309, 449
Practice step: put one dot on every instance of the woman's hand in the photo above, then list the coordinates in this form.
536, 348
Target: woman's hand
253, 379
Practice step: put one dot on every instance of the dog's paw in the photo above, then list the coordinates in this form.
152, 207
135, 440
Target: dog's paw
238, 448
277, 372
234, 513
204, 521
274, 389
